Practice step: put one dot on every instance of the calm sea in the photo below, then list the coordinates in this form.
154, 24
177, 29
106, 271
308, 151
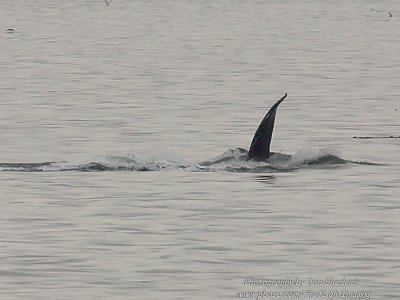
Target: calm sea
126, 101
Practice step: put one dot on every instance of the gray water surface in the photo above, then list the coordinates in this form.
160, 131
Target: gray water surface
166, 84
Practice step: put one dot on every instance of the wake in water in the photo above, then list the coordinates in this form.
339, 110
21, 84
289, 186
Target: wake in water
102, 163
236, 160
233, 160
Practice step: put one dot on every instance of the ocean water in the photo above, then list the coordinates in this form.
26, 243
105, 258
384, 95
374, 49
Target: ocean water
117, 176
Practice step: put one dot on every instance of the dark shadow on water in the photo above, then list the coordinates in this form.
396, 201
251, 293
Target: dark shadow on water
377, 137
267, 179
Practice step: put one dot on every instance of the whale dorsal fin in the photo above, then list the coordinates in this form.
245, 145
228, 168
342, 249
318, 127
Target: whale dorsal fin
259, 148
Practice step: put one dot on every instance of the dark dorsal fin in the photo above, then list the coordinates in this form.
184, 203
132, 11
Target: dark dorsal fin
259, 148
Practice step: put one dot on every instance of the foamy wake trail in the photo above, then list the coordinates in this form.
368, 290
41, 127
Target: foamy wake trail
236, 160
232, 160
145, 162
325, 156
